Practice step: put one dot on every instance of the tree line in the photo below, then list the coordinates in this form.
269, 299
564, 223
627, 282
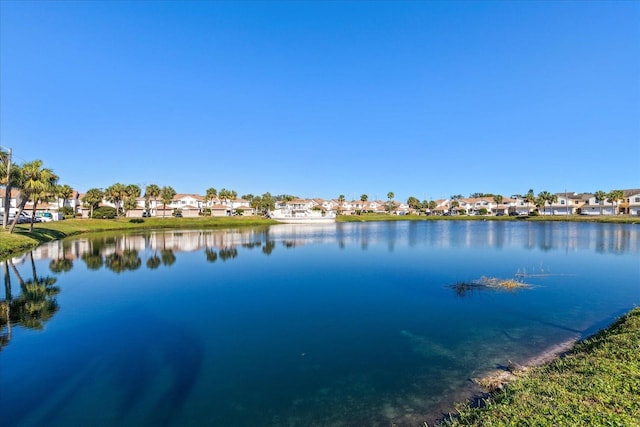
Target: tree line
39, 184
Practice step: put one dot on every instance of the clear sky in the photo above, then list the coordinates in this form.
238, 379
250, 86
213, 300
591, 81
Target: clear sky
317, 99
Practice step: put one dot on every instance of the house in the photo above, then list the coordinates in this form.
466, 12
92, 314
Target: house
630, 203
592, 206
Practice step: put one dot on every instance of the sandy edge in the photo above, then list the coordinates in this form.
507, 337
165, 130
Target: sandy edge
496, 380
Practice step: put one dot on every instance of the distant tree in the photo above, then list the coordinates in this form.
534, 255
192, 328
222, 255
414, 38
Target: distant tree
456, 197
152, 191
341, 198
543, 198
115, 194
63, 192
264, 203
432, 204
390, 195
210, 195
498, 199
600, 196
284, 197
414, 203
364, 198
92, 199
530, 198
612, 197
130, 201
167, 194
36, 183
10, 176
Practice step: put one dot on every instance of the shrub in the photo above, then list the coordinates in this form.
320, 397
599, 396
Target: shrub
136, 220
483, 211
104, 212
67, 211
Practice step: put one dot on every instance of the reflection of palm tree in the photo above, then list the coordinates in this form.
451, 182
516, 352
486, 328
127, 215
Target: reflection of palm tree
35, 304
128, 260
228, 253
268, 247
5, 308
168, 258
93, 257
212, 255
62, 265
153, 262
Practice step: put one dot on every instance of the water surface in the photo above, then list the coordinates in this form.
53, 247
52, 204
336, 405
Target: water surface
343, 324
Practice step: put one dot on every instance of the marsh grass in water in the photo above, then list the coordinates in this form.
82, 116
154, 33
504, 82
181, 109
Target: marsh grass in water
462, 288
595, 384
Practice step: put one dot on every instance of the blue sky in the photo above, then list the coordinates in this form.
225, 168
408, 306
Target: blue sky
317, 99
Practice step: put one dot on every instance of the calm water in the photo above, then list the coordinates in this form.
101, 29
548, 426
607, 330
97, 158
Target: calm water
345, 324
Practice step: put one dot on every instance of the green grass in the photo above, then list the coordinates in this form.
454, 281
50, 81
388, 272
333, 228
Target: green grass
623, 219
596, 384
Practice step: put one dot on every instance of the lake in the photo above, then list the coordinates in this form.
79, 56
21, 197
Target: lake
345, 324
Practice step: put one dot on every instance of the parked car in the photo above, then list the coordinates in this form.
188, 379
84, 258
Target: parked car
146, 214
500, 214
513, 214
44, 216
178, 214
23, 218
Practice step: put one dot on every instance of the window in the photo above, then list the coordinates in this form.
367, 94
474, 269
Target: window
636, 200
562, 202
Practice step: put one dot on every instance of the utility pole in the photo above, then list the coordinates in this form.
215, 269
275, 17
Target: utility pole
7, 193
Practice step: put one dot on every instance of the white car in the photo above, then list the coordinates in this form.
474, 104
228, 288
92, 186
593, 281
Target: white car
44, 217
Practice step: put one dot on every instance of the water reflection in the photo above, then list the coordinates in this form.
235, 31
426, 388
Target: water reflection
35, 304
127, 252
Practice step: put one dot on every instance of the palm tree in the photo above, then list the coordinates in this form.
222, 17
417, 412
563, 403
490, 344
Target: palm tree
390, 205
543, 198
211, 194
364, 198
166, 194
63, 192
36, 183
132, 192
498, 199
529, 198
600, 197
152, 191
612, 197
92, 199
414, 203
114, 194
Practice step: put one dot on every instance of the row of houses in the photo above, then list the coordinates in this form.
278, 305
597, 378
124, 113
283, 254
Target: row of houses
191, 205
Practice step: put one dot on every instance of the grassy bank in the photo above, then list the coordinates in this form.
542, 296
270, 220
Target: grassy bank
22, 240
596, 384
617, 219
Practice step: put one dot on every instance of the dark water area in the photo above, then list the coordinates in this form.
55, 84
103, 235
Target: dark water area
295, 325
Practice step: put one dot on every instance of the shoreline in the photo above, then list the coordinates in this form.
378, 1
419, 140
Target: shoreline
569, 383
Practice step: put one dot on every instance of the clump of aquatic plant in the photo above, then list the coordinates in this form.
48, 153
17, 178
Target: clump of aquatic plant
462, 288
